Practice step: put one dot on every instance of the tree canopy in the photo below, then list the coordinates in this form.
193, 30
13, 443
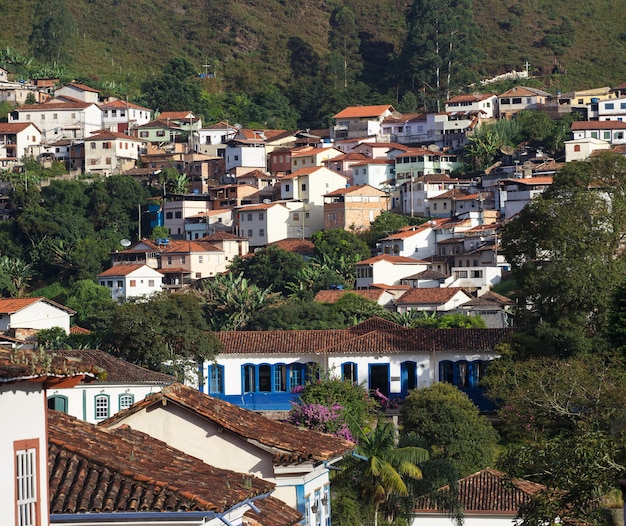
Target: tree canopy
451, 425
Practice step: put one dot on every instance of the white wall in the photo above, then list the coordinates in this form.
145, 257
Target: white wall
23, 410
39, 315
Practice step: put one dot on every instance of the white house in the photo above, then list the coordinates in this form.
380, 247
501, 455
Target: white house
60, 120
131, 281
24, 379
208, 222
19, 140
176, 212
267, 223
484, 103
375, 172
360, 121
488, 498
432, 299
581, 149
614, 132
416, 242
259, 369
108, 152
25, 316
308, 157
310, 185
295, 459
515, 194
122, 116
78, 91
211, 140
386, 269
120, 386
608, 110
243, 155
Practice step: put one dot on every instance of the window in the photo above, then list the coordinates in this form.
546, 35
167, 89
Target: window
55, 116
215, 376
126, 400
183, 259
249, 378
169, 260
261, 216
517, 100
160, 133
133, 283
249, 217
279, 378
577, 147
265, 375
101, 406
622, 105
296, 216
143, 134
92, 145
58, 403
178, 214
606, 135
169, 215
505, 101
349, 372
250, 233
110, 284
287, 188
609, 106
150, 283
106, 145
594, 134
107, 160
43, 116
200, 259
261, 232
303, 187
120, 284
27, 483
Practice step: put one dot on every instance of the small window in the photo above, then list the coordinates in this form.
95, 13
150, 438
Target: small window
178, 215
249, 217
261, 216
101, 407
151, 283
609, 106
133, 283
303, 187
200, 259
126, 400
58, 403
110, 284
577, 147
169, 215
287, 188
120, 284
250, 233
92, 145
261, 232
160, 133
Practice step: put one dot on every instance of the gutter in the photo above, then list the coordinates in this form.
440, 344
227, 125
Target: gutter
143, 517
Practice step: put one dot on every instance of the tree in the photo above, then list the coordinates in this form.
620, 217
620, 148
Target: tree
15, 274
232, 300
270, 268
166, 333
177, 89
380, 468
294, 315
355, 308
386, 224
433, 320
52, 339
565, 250
93, 304
451, 425
53, 24
440, 47
345, 42
564, 421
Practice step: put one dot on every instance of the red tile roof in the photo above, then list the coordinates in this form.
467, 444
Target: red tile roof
436, 295
290, 444
116, 370
363, 111
396, 260
469, 98
95, 470
295, 245
598, 125
332, 296
121, 104
13, 305
14, 127
362, 189
123, 270
486, 491
82, 87
49, 367
489, 299
107, 135
338, 341
53, 106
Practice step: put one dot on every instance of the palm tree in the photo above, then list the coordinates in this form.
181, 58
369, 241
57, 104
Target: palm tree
382, 465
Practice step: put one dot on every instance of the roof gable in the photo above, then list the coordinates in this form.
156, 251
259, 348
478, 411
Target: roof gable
290, 444
364, 111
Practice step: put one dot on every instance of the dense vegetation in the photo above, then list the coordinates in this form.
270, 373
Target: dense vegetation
304, 61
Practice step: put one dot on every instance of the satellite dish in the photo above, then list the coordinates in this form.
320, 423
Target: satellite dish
125, 242
267, 201
433, 148
507, 150
396, 114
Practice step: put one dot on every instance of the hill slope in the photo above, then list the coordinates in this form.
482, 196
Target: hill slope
247, 40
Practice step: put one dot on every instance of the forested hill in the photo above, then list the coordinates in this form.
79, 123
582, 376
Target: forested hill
250, 44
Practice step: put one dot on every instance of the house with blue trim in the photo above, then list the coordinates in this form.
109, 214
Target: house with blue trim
259, 370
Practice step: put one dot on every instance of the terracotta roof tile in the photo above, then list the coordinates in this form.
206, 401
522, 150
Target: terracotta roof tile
115, 369
489, 298
13, 305
295, 245
123, 270
290, 343
361, 189
48, 366
332, 296
486, 491
436, 295
274, 512
83, 87
54, 106
396, 260
598, 125
92, 469
363, 111
14, 127
290, 444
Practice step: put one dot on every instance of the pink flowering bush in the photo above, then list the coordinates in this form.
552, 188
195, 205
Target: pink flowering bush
320, 418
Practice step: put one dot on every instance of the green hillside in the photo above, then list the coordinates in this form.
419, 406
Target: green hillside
248, 43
